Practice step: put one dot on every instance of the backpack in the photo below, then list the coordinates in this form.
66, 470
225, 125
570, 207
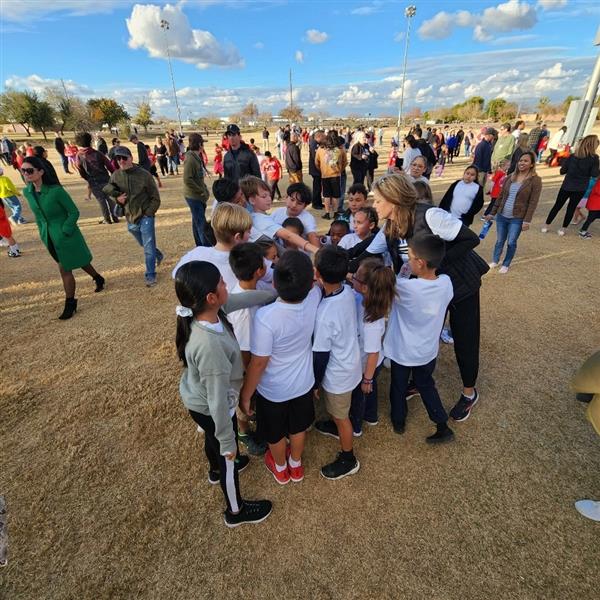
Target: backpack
93, 168
427, 152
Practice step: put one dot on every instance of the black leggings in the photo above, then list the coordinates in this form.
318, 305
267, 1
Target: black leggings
592, 216
275, 188
563, 196
227, 469
465, 325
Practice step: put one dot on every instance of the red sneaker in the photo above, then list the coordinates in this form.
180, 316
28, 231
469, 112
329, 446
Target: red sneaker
296, 473
282, 477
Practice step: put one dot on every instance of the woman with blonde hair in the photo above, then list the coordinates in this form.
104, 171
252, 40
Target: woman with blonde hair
359, 157
396, 202
577, 169
514, 208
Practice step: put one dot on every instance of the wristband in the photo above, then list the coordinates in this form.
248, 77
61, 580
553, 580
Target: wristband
365, 380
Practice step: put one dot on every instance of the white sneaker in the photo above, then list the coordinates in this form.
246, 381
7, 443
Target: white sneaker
503, 270
561, 232
589, 509
3, 242
492, 265
446, 336
544, 230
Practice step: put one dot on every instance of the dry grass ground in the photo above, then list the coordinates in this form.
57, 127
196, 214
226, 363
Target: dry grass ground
105, 478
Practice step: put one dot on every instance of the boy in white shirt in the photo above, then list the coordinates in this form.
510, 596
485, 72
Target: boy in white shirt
258, 194
298, 198
412, 338
338, 368
280, 369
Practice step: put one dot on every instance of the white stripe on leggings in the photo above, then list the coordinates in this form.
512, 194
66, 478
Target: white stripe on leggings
230, 485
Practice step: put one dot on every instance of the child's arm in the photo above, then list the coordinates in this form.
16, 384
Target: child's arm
320, 361
296, 240
248, 299
370, 367
217, 387
254, 372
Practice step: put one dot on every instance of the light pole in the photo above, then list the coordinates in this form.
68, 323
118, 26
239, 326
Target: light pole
409, 13
164, 24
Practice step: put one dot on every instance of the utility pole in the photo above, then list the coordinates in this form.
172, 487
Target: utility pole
291, 93
164, 24
409, 13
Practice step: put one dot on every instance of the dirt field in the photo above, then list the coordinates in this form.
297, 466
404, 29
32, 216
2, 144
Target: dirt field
105, 478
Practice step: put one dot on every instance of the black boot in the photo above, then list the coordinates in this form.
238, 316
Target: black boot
100, 281
70, 309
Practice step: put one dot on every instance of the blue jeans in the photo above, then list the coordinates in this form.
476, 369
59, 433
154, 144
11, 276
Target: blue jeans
506, 228
198, 209
343, 180
173, 164
15, 206
143, 232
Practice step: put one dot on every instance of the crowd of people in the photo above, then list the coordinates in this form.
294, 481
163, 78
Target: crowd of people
273, 316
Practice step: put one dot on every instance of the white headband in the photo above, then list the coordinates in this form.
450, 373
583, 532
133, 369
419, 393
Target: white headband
183, 311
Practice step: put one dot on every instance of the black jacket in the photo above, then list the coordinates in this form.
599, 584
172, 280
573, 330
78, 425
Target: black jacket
143, 159
466, 218
237, 164
293, 160
312, 152
59, 145
356, 162
578, 172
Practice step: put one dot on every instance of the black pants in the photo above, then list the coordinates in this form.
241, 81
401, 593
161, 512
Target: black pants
227, 469
563, 196
592, 216
275, 188
465, 325
358, 175
163, 163
423, 377
317, 200
65, 163
106, 203
550, 156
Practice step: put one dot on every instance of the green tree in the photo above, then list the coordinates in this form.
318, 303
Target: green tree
494, 107
18, 107
144, 115
567, 102
107, 110
62, 105
543, 105
42, 116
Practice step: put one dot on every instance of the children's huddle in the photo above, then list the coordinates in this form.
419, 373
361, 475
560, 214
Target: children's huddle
268, 338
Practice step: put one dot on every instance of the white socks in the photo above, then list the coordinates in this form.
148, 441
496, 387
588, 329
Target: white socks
294, 463
280, 469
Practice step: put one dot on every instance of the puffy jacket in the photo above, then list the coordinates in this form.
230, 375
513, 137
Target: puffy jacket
578, 172
240, 162
194, 187
293, 160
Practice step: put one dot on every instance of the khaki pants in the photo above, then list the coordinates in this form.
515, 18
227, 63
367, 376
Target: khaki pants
296, 177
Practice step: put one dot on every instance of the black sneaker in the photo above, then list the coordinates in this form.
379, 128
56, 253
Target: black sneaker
327, 428
399, 428
255, 446
340, 468
253, 511
241, 462
214, 477
462, 409
441, 436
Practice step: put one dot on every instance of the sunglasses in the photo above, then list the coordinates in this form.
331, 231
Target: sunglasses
28, 171
121, 157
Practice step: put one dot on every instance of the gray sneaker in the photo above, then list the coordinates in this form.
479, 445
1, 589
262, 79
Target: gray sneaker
150, 282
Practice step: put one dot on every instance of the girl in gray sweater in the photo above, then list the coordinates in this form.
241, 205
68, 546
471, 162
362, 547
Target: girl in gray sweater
212, 378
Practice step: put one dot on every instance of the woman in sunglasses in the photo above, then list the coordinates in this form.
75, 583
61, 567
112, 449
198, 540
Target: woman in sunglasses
56, 217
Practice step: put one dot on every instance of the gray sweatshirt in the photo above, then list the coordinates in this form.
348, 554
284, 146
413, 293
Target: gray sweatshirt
211, 382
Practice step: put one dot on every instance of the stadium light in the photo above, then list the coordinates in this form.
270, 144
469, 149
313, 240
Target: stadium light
164, 24
409, 13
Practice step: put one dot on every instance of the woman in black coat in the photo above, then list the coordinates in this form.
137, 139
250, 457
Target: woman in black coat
464, 198
359, 159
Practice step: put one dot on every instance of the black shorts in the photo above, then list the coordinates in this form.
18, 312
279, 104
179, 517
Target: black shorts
276, 420
331, 187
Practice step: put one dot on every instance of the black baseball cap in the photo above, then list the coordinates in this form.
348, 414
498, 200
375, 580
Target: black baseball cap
121, 151
232, 129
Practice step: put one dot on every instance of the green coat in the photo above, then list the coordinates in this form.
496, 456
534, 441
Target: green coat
56, 217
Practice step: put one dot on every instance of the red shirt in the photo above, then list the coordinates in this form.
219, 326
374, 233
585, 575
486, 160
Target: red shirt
593, 202
272, 167
498, 179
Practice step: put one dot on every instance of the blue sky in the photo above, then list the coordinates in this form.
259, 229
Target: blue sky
346, 56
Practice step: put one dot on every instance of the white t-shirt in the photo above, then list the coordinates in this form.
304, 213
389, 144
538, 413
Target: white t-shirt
409, 155
462, 198
336, 332
284, 333
349, 241
516, 133
219, 258
241, 321
279, 215
413, 334
370, 335
263, 224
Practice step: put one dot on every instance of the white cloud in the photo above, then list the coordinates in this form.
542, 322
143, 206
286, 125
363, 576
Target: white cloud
551, 4
399, 37
366, 10
556, 71
38, 84
507, 16
193, 46
354, 95
258, 45
450, 88
408, 87
314, 36
423, 94
472, 90
299, 56
29, 10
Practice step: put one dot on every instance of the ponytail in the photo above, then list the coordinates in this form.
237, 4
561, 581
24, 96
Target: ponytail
182, 336
381, 289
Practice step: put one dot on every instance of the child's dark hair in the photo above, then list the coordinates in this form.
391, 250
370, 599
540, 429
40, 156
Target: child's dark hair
358, 188
476, 169
371, 214
264, 243
428, 247
294, 222
193, 282
245, 259
268, 154
303, 191
224, 189
340, 223
423, 192
332, 264
293, 276
380, 282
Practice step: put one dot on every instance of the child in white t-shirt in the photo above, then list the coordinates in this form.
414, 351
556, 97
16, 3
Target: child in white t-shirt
374, 289
412, 337
365, 226
357, 198
337, 361
280, 369
258, 194
299, 196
